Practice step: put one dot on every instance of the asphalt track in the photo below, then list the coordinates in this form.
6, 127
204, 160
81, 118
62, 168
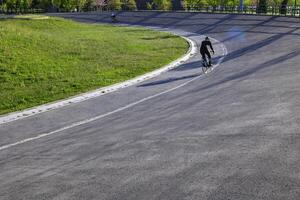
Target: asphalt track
232, 135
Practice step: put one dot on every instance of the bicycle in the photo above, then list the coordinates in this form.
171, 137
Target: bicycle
206, 68
113, 18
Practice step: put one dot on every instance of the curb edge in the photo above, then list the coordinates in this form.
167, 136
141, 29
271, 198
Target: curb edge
101, 91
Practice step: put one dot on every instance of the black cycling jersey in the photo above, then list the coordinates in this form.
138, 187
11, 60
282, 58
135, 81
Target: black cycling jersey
204, 51
204, 45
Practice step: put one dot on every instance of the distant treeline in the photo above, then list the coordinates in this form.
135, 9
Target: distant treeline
25, 6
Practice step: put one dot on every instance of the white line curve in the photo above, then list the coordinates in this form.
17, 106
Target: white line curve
112, 112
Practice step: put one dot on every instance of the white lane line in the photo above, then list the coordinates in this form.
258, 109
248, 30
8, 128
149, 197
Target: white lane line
95, 118
112, 112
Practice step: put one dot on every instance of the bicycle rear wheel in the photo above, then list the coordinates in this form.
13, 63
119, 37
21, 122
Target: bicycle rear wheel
204, 69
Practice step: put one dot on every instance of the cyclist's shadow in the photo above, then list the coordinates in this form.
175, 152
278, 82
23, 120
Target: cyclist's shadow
196, 64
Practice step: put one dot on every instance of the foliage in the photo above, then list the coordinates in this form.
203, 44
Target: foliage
10, 4
88, 5
68, 5
262, 6
20, 6
26, 4
114, 4
79, 4
162, 4
131, 4
149, 5
213, 2
56, 3
128, 5
100, 4
193, 4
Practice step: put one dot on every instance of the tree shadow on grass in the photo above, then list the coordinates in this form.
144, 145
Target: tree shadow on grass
16, 19
159, 37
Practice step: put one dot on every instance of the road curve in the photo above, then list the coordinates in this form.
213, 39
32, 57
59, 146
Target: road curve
230, 135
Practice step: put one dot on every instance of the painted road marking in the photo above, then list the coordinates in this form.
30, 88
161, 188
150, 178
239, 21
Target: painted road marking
112, 112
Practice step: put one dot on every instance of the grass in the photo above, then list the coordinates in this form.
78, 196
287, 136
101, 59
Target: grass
51, 59
31, 16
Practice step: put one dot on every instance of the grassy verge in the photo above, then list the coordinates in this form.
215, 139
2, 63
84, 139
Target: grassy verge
52, 58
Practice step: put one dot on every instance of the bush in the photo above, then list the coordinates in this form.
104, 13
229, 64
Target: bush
163, 4
149, 6
131, 5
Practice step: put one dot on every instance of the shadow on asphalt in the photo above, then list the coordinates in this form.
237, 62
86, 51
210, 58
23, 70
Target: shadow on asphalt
189, 66
255, 46
210, 24
167, 80
248, 72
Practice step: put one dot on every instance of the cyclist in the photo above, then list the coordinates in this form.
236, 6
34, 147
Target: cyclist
204, 50
113, 17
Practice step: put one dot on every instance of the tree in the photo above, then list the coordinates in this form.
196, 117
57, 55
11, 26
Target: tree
10, 5
100, 4
88, 5
67, 5
34, 3
56, 3
25, 5
79, 4
193, 4
213, 3
18, 6
114, 4
43, 4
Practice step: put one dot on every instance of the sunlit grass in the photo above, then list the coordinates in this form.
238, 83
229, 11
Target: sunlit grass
50, 59
31, 16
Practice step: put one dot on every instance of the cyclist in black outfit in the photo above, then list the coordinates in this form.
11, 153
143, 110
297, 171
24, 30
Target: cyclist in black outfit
204, 50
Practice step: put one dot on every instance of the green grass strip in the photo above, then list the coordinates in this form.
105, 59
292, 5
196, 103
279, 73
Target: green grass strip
51, 59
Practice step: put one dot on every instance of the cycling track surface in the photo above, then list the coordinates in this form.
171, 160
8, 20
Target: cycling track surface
231, 135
